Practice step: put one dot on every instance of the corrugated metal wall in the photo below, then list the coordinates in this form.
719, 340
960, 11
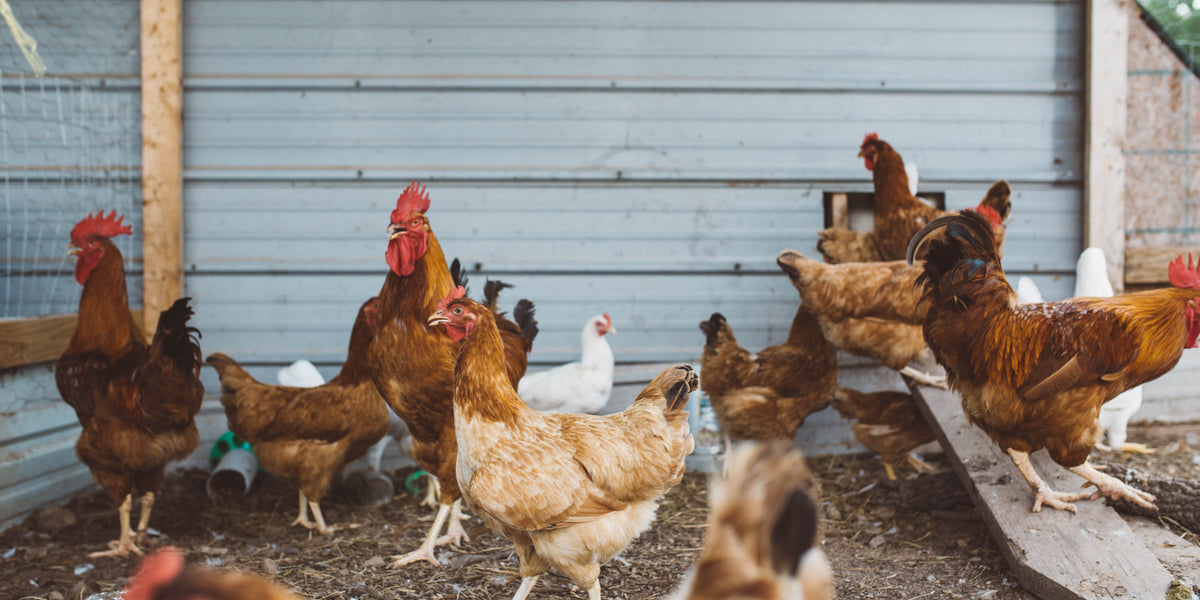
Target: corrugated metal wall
644, 158
70, 143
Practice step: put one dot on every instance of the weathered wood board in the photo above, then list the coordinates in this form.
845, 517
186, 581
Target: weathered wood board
1054, 554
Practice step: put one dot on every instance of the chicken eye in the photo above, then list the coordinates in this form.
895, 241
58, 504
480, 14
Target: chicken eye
416, 222
458, 310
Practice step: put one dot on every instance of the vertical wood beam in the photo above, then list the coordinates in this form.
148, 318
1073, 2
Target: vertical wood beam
162, 156
1104, 137
839, 211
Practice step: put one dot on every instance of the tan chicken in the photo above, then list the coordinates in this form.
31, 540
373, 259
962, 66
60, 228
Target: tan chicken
570, 491
768, 395
889, 423
839, 294
763, 539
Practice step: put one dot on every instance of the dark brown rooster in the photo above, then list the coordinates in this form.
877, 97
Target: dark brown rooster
135, 402
1034, 376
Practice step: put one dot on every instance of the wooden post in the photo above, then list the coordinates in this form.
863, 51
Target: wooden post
162, 156
839, 210
1104, 137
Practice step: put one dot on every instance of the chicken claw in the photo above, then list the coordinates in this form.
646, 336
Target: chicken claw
1136, 448
455, 534
123, 546
1042, 494
425, 552
1111, 487
924, 378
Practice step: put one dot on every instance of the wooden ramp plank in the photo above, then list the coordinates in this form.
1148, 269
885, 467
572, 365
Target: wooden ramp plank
1054, 554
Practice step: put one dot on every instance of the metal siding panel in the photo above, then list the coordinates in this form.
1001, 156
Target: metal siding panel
520, 134
813, 45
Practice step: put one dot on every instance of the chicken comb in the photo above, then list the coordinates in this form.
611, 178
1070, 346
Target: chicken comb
414, 198
870, 137
1184, 276
455, 294
990, 214
608, 320
156, 571
100, 225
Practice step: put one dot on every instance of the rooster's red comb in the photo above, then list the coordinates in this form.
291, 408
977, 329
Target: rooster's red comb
991, 215
455, 294
98, 224
870, 137
1184, 276
607, 320
157, 570
414, 198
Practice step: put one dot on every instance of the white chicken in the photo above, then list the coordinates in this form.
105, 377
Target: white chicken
1091, 279
1028, 292
583, 386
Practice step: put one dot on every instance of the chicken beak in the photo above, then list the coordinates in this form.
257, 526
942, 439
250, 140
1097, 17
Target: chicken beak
611, 330
436, 319
72, 250
395, 231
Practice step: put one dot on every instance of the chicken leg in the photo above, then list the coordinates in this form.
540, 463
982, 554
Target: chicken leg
527, 584
925, 378
1041, 491
315, 507
425, 552
455, 534
433, 491
124, 545
143, 537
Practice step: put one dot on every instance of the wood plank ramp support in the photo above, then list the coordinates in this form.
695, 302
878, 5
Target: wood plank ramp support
1054, 554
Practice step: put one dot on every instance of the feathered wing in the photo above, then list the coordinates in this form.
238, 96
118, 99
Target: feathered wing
80, 378
168, 384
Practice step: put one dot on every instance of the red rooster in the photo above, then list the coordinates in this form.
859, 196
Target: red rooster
134, 401
412, 364
1035, 375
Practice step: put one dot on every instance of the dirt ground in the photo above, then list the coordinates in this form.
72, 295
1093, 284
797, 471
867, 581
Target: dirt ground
916, 538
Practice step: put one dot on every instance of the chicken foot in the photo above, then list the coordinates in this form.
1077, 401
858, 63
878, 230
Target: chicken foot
143, 536
1042, 493
924, 378
1111, 487
303, 521
425, 552
125, 545
455, 534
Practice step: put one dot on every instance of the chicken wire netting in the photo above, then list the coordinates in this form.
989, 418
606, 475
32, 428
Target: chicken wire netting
67, 148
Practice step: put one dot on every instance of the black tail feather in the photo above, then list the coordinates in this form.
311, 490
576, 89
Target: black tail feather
174, 339
457, 274
711, 328
794, 532
491, 293
523, 316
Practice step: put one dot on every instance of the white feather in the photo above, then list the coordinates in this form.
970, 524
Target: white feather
299, 374
1028, 292
910, 169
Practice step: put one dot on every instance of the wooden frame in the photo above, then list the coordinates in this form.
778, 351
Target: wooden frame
1104, 137
162, 156
38, 339
1149, 265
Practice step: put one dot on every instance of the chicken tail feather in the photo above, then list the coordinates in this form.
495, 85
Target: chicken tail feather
457, 274
794, 532
712, 330
675, 384
173, 339
491, 293
523, 316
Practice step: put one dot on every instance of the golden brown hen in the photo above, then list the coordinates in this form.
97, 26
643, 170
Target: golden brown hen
135, 402
570, 491
308, 435
767, 395
889, 423
763, 541
1034, 376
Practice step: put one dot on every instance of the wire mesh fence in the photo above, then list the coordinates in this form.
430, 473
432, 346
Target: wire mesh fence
67, 147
